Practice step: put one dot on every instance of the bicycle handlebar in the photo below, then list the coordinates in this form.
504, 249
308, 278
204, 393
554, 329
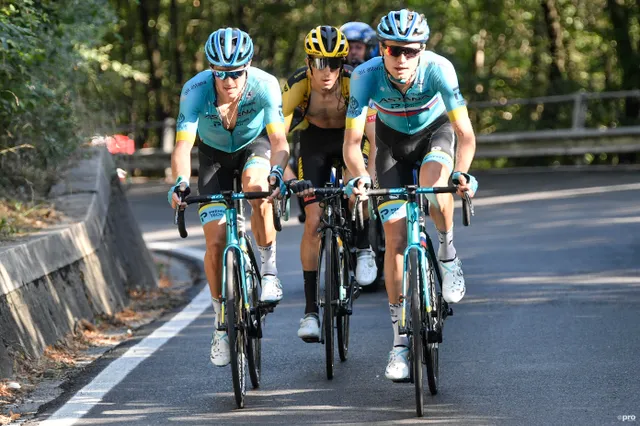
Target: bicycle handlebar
467, 205
222, 196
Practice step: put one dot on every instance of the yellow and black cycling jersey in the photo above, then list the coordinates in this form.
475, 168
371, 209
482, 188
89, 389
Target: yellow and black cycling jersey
297, 92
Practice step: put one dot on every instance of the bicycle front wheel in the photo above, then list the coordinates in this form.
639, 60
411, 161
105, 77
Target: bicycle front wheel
235, 328
434, 333
327, 279
417, 336
254, 320
342, 319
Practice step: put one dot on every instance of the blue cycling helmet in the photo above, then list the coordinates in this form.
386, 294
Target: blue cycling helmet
405, 26
229, 47
358, 31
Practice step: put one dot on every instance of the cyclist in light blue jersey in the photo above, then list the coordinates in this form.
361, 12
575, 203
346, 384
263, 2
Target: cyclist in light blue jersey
420, 112
236, 110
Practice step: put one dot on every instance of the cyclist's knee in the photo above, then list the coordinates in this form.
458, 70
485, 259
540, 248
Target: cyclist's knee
395, 236
215, 238
260, 205
434, 174
313, 213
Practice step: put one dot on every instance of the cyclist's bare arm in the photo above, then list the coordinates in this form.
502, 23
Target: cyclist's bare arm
352, 152
466, 144
181, 159
279, 148
466, 139
370, 131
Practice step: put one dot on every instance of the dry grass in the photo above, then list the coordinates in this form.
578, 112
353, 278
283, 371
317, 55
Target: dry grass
18, 218
63, 359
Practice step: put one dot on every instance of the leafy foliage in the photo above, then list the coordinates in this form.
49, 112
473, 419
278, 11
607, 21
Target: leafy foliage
72, 68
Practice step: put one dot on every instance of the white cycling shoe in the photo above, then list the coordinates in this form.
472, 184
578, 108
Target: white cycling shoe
220, 353
398, 366
271, 289
366, 268
453, 288
309, 330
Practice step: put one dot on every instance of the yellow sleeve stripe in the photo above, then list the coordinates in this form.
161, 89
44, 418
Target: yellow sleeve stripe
275, 128
457, 113
355, 123
185, 135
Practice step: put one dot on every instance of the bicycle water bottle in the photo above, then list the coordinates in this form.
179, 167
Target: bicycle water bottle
422, 230
333, 175
240, 224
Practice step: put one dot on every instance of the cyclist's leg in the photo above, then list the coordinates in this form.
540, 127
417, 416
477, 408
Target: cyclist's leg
314, 164
366, 268
436, 168
392, 214
254, 178
214, 176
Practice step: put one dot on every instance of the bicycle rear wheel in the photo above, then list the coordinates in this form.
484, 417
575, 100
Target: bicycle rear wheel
235, 328
342, 319
327, 309
417, 336
255, 320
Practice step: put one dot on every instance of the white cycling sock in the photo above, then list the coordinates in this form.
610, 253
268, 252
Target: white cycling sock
217, 308
447, 250
398, 340
268, 257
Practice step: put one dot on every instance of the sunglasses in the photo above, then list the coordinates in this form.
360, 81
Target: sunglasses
322, 63
234, 75
396, 51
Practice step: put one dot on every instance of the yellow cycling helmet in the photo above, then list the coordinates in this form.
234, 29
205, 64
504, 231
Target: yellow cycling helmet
326, 41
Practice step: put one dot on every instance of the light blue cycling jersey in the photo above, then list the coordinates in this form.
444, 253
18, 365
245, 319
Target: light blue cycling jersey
260, 106
434, 90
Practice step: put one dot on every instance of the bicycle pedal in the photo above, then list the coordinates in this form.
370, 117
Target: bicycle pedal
356, 292
407, 380
434, 336
310, 339
267, 306
450, 312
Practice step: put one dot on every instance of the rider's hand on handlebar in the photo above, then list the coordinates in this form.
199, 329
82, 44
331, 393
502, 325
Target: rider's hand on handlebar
181, 187
466, 183
358, 186
276, 181
302, 188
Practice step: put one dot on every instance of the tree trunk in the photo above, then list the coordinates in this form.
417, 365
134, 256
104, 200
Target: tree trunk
175, 34
149, 38
628, 59
556, 46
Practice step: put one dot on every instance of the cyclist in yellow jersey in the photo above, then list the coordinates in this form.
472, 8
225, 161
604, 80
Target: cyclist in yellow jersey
321, 91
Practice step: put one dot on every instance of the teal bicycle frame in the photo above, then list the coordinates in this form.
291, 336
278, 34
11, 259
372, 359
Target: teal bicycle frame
413, 242
234, 242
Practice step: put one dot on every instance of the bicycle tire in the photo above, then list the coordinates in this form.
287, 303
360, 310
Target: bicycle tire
434, 326
327, 310
431, 353
255, 322
416, 331
343, 319
235, 330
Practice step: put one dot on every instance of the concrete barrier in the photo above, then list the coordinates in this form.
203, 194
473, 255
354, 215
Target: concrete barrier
79, 269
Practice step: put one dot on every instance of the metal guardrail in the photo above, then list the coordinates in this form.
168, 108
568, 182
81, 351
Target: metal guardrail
575, 140
517, 144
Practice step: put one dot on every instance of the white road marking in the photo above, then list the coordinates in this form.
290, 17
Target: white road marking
93, 393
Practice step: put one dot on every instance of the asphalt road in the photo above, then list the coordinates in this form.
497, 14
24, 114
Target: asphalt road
548, 332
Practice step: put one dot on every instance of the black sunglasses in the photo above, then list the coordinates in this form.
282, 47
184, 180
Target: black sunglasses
396, 51
322, 63
223, 75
